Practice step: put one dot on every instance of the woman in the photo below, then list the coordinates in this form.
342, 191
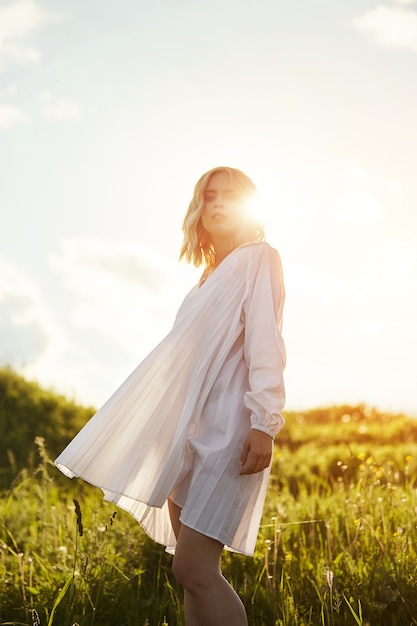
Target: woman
185, 444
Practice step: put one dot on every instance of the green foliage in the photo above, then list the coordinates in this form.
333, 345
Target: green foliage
28, 411
337, 544
70, 561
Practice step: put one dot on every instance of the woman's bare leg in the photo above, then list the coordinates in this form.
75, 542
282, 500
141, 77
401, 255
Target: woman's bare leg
174, 514
190, 617
209, 600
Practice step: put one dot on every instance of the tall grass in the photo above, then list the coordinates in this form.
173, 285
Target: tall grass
337, 544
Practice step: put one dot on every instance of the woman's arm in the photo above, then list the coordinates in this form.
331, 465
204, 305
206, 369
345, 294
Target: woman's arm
265, 358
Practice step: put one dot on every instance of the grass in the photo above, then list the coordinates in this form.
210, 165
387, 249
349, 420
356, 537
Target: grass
337, 545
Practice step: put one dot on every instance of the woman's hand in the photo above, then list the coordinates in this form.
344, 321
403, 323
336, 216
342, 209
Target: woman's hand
257, 452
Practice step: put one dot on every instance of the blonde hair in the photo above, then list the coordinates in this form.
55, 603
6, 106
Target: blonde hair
197, 246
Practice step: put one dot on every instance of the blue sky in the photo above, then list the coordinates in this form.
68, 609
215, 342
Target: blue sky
109, 112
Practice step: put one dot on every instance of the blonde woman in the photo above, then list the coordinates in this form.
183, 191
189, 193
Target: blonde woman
185, 444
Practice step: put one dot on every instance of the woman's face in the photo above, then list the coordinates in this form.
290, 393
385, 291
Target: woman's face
222, 209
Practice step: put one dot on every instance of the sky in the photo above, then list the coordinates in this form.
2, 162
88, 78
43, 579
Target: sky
111, 111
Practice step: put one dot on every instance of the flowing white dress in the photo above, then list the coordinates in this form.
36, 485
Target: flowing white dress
176, 427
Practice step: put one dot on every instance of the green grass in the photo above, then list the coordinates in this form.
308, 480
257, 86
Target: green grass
337, 544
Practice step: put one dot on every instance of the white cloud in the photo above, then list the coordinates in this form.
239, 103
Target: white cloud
35, 343
11, 116
59, 109
394, 27
119, 289
44, 97
122, 260
27, 328
106, 307
11, 90
18, 20
117, 300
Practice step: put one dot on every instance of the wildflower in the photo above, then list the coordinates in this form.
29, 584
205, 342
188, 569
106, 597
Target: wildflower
35, 618
329, 576
361, 456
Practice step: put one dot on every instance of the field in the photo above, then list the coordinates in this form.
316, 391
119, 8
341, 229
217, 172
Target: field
337, 545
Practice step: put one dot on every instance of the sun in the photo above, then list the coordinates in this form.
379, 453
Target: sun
284, 209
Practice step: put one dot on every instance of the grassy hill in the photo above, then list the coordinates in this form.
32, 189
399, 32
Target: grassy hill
321, 437
28, 411
337, 544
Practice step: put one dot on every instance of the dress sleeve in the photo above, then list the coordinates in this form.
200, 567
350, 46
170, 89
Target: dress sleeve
264, 349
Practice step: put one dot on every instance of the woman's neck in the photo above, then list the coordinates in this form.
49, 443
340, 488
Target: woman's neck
222, 249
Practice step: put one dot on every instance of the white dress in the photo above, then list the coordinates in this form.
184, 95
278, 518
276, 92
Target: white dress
177, 425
